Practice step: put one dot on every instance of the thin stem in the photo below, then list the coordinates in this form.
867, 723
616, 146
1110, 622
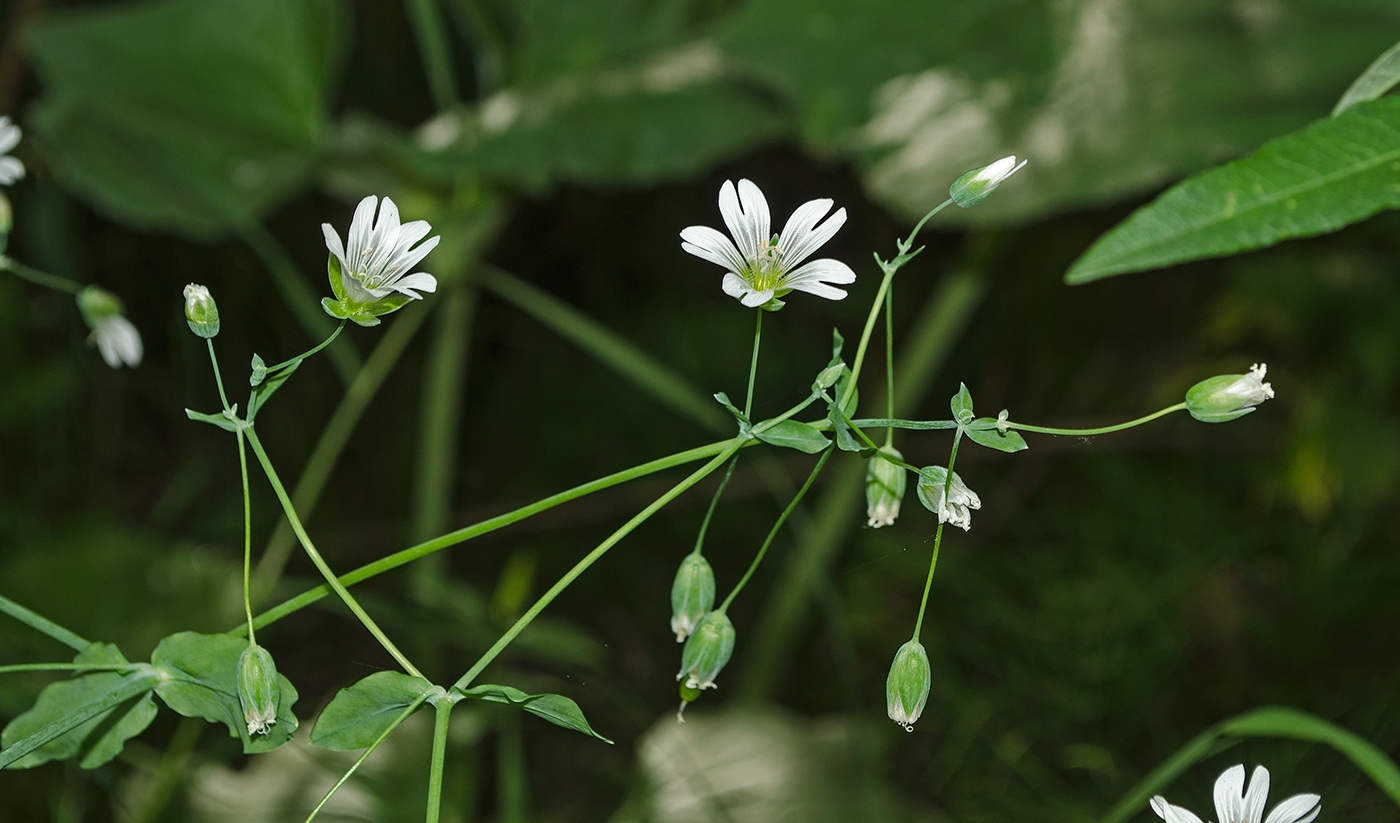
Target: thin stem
918, 227
773, 532
329, 340
753, 364
591, 558
40, 623
937, 536
321, 566
889, 361
714, 501
171, 767
444, 715
1102, 430
384, 735
39, 278
247, 536
435, 51
67, 667
218, 378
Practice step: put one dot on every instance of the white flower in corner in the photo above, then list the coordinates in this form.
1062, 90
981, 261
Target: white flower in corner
763, 268
1235, 805
11, 169
370, 275
115, 337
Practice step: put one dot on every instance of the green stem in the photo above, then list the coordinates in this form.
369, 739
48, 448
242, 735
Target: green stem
592, 557
67, 667
1103, 430
773, 532
937, 537
43, 624
169, 770
218, 378
714, 501
918, 227
39, 278
889, 362
434, 50
247, 537
384, 735
316, 558
444, 715
329, 340
753, 363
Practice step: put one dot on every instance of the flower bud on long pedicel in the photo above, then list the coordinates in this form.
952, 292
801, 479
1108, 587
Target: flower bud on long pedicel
692, 594
972, 188
710, 646
1229, 396
906, 689
257, 688
200, 311
884, 488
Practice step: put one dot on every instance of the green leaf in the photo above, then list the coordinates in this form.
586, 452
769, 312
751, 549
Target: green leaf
961, 404
1334, 172
1281, 721
723, 400
556, 708
984, 433
201, 680
792, 434
99, 738
206, 132
216, 419
1378, 78
359, 714
260, 394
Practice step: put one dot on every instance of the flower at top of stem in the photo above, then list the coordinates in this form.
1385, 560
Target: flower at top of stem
258, 691
115, 337
764, 267
692, 594
710, 646
1218, 399
11, 169
370, 275
1233, 804
200, 311
906, 688
961, 500
884, 488
972, 188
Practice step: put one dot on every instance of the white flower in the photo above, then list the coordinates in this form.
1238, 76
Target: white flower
1229, 396
1235, 805
972, 188
380, 257
112, 333
1250, 389
957, 509
762, 267
11, 169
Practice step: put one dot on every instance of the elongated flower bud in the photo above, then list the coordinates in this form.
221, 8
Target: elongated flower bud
906, 689
257, 688
200, 311
710, 646
692, 594
1229, 396
884, 488
972, 188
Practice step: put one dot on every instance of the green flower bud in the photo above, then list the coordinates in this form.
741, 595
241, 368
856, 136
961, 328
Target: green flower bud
961, 502
692, 594
7, 216
200, 311
906, 689
710, 646
112, 333
972, 188
1229, 396
884, 488
258, 691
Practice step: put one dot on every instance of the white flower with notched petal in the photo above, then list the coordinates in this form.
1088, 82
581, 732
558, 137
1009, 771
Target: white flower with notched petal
11, 169
960, 503
370, 275
1235, 805
764, 268
112, 333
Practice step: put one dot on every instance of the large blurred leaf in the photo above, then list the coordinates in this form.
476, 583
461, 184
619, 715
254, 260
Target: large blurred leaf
191, 115
1335, 172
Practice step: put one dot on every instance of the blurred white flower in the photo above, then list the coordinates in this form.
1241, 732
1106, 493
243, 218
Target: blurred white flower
115, 337
11, 169
957, 509
380, 256
762, 267
1235, 805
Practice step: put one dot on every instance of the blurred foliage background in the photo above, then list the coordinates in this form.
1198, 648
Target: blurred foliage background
1118, 595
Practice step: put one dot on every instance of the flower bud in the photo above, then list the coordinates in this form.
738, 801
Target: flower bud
906, 689
258, 691
1229, 396
957, 509
692, 594
710, 646
884, 488
200, 311
972, 188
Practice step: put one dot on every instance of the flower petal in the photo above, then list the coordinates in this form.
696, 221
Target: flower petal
1300, 808
11, 170
708, 244
736, 221
756, 212
735, 286
1172, 814
813, 278
357, 241
333, 244
814, 238
422, 281
9, 135
1256, 795
1229, 795
756, 298
406, 259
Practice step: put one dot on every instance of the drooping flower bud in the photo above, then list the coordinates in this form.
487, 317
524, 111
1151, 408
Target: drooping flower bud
257, 688
884, 488
972, 188
906, 689
112, 333
692, 594
200, 311
961, 500
710, 646
1229, 396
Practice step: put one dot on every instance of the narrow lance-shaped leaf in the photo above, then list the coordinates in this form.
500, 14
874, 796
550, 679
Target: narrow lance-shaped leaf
792, 434
1378, 78
556, 708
